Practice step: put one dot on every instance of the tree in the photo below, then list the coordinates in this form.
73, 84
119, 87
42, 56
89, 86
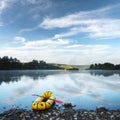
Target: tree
105, 66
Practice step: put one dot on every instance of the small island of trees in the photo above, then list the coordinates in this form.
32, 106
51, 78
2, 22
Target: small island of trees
105, 66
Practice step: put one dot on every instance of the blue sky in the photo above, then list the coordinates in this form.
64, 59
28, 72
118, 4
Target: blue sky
61, 31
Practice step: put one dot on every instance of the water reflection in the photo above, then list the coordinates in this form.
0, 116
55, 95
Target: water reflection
104, 72
8, 76
24, 82
26, 86
101, 88
15, 75
81, 88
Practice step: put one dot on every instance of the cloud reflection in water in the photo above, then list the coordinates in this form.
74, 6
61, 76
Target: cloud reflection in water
82, 84
67, 86
22, 91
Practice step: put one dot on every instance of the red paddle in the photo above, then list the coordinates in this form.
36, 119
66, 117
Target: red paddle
57, 101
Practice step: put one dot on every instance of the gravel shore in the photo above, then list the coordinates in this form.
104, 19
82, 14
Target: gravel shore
100, 113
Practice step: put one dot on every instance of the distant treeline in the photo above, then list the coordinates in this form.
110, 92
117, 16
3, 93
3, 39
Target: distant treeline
105, 66
9, 63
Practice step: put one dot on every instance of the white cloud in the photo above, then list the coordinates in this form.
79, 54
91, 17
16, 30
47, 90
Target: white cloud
67, 21
37, 6
68, 54
34, 1
1, 24
48, 43
20, 39
78, 18
97, 23
60, 45
3, 5
27, 30
57, 50
74, 46
106, 28
32, 11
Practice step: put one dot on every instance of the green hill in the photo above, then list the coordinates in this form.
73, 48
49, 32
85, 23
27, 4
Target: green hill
71, 67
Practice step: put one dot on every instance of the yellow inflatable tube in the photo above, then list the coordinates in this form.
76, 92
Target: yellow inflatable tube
43, 102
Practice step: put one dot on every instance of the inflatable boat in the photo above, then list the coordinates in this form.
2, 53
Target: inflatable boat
44, 101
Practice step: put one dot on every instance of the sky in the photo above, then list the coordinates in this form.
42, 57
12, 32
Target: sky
77, 32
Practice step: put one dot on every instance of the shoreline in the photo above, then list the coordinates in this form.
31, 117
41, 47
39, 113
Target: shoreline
101, 113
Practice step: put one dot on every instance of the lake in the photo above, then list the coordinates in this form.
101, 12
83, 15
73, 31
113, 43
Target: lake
85, 89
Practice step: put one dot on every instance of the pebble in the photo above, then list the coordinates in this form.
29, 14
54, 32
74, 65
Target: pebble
56, 114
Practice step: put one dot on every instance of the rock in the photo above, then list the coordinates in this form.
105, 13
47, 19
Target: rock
70, 114
68, 105
112, 116
97, 118
101, 109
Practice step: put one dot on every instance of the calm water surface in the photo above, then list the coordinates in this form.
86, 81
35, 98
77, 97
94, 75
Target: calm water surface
85, 89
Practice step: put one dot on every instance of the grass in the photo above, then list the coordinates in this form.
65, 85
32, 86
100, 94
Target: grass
67, 67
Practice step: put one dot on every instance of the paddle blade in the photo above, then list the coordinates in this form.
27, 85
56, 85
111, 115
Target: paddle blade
35, 95
58, 101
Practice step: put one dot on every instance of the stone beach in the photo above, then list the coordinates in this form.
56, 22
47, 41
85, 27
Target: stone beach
68, 113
